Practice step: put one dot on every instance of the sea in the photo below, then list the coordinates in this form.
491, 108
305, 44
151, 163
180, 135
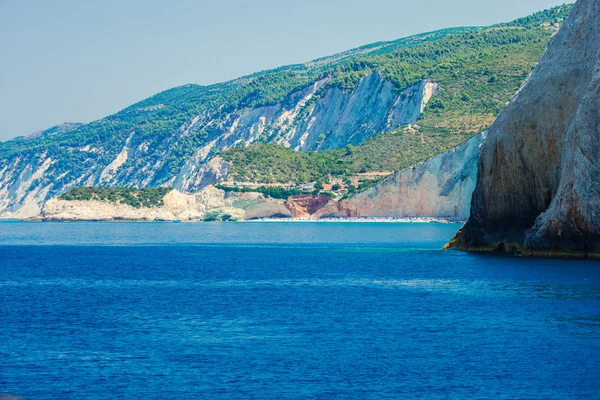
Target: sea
263, 310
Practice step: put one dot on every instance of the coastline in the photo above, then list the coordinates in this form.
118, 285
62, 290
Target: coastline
404, 220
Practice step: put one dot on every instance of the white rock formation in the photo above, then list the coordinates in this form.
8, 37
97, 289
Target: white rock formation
210, 201
537, 188
440, 187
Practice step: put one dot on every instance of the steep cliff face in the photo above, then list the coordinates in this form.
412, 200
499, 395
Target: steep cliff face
440, 187
537, 188
317, 117
339, 118
25, 185
303, 206
323, 117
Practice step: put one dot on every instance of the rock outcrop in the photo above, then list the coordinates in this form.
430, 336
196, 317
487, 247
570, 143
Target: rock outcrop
537, 188
208, 204
304, 206
440, 187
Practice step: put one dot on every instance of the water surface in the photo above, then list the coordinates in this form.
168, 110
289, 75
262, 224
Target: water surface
288, 310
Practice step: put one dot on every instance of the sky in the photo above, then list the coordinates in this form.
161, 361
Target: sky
78, 61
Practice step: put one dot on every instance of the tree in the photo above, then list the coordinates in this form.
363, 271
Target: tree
436, 103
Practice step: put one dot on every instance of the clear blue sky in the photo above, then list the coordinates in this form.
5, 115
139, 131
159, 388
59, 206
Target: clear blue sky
80, 60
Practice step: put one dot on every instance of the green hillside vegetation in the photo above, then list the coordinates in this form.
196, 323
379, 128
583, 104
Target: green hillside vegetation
271, 163
478, 70
149, 197
267, 191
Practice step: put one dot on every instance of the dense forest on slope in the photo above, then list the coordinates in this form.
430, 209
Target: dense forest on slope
271, 163
147, 197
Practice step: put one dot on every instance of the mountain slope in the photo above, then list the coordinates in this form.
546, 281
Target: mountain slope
537, 189
476, 74
357, 96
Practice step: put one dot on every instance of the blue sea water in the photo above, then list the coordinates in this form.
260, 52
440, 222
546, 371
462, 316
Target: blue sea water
288, 310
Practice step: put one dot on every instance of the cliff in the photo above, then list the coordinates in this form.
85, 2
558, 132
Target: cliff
207, 204
318, 117
440, 187
304, 206
313, 118
537, 188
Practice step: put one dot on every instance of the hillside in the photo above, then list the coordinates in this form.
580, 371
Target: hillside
477, 72
452, 83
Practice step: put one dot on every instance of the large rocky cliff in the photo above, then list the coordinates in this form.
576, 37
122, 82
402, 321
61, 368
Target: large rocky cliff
537, 188
440, 187
316, 117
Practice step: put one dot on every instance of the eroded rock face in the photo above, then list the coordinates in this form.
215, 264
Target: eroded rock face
537, 188
177, 206
303, 206
440, 187
319, 118
196, 175
345, 118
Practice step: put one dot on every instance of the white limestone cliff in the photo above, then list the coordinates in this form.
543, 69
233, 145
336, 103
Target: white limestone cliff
440, 187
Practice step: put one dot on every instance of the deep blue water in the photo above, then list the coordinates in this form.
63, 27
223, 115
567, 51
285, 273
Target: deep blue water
288, 310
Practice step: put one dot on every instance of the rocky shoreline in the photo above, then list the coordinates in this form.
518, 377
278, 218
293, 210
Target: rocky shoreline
407, 220
410, 220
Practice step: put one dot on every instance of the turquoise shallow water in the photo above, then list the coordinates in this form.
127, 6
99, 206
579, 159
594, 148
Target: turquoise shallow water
288, 310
